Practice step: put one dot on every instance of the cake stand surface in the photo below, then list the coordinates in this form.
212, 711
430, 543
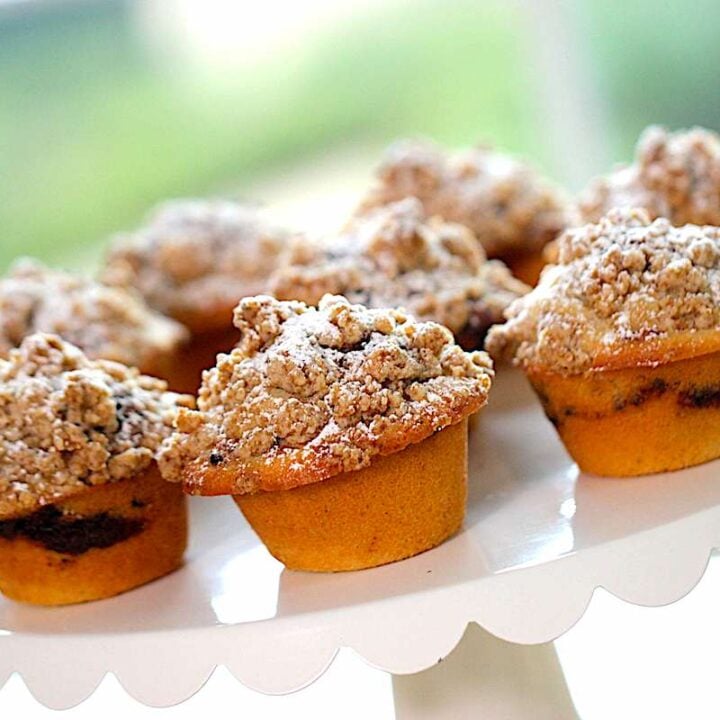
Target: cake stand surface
538, 539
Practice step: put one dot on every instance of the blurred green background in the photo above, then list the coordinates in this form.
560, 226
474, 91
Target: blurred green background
107, 107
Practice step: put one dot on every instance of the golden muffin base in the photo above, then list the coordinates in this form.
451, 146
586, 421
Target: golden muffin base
160, 366
527, 266
636, 421
31, 572
184, 373
399, 506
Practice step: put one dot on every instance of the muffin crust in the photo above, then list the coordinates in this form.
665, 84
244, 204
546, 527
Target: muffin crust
674, 175
69, 423
194, 259
395, 256
619, 283
507, 205
309, 393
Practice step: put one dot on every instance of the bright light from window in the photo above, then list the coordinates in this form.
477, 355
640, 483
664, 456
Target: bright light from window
226, 33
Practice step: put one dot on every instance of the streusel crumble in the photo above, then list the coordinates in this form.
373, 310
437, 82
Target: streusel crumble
505, 203
195, 259
674, 175
105, 322
623, 279
317, 392
395, 256
68, 423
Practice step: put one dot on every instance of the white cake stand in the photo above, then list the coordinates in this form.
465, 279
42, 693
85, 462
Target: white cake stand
538, 539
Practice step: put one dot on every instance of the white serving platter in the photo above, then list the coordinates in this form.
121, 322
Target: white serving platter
538, 539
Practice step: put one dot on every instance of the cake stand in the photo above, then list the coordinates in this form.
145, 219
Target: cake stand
538, 539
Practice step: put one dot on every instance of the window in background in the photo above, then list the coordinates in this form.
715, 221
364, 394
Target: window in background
107, 107
655, 63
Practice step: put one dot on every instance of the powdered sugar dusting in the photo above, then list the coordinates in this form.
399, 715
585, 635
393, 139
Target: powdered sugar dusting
105, 322
507, 205
674, 175
625, 278
195, 259
395, 256
334, 384
69, 423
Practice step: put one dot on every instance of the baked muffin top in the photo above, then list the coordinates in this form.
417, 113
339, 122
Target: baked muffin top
674, 175
505, 203
68, 423
623, 288
312, 392
106, 322
194, 259
395, 256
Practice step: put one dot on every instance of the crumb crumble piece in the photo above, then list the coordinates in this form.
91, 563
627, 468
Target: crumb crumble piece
68, 423
309, 393
674, 175
194, 259
509, 208
624, 279
105, 322
395, 256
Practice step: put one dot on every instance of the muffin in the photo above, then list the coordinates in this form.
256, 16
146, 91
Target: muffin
104, 322
193, 261
340, 431
511, 210
674, 175
395, 256
84, 512
621, 341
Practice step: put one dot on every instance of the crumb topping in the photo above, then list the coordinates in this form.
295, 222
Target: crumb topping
506, 204
105, 322
309, 393
396, 257
674, 175
624, 279
195, 259
68, 423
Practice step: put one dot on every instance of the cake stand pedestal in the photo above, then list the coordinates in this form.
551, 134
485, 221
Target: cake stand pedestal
538, 539
485, 677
